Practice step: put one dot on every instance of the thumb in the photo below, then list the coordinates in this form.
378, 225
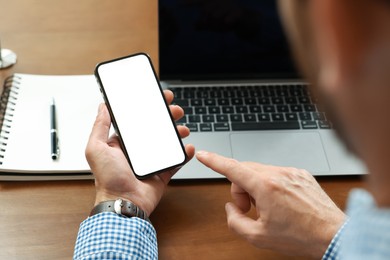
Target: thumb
101, 127
239, 223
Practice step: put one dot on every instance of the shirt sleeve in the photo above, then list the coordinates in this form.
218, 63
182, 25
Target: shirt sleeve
332, 253
110, 236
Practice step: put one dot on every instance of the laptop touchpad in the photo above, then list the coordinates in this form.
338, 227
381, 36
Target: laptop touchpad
300, 150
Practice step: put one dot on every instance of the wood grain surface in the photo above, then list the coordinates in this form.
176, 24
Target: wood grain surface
40, 220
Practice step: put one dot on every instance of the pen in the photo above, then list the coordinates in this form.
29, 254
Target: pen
53, 132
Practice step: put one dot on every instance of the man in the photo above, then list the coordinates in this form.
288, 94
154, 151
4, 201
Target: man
343, 47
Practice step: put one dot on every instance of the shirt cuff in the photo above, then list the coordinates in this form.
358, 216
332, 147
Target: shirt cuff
332, 253
108, 235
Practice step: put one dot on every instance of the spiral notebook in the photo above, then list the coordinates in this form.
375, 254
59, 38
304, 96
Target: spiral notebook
25, 144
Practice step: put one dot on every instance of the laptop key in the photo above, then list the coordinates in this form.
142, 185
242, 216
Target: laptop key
304, 100
277, 117
324, 124
309, 124
181, 102
202, 93
269, 109
215, 94
309, 108
264, 101
229, 93
218, 127
188, 110
208, 118
291, 100
305, 116
177, 93
241, 109
200, 110
189, 94
291, 117
264, 117
242, 93
194, 119
282, 92
295, 92
214, 110
222, 118
228, 110
277, 100
182, 120
250, 101
206, 127
255, 93
236, 118
282, 108
250, 118
265, 126
192, 127
197, 102
237, 101
209, 102
223, 102
254, 109
296, 108
318, 116
270, 92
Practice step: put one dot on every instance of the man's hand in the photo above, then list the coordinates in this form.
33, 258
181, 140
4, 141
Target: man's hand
113, 176
294, 215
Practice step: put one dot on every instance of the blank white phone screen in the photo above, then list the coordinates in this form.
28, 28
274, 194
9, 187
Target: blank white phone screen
141, 115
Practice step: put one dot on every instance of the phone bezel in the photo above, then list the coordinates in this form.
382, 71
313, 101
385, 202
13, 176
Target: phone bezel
122, 144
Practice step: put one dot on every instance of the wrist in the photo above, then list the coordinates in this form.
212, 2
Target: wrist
120, 207
103, 197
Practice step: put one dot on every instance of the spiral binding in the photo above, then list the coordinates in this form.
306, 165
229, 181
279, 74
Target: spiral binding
7, 107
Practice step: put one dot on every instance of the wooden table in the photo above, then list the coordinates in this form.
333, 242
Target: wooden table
40, 220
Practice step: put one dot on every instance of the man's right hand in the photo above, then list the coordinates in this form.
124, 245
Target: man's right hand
294, 215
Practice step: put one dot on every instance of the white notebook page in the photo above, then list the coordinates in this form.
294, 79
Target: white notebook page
28, 146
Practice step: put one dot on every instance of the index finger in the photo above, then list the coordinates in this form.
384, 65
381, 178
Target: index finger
235, 171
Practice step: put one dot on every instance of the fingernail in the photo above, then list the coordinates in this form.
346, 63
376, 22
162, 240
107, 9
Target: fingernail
228, 207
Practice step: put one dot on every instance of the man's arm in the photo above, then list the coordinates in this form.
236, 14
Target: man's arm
333, 250
294, 214
115, 180
110, 236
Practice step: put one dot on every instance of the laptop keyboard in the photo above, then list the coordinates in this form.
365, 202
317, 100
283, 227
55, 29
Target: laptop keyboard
248, 108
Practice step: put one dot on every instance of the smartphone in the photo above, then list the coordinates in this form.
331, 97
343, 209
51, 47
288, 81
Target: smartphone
140, 114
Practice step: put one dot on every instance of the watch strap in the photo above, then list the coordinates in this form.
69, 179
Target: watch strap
120, 207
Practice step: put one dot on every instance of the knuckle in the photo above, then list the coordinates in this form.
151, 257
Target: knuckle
272, 184
255, 237
231, 163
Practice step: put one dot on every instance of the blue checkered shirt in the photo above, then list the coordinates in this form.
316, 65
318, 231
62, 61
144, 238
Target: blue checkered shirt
110, 236
366, 234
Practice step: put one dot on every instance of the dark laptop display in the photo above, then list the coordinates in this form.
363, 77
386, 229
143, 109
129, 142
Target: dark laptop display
230, 68
222, 39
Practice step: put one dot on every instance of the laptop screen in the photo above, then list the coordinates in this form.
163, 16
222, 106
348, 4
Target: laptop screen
222, 39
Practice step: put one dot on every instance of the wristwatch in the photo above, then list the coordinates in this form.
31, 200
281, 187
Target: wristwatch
120, 207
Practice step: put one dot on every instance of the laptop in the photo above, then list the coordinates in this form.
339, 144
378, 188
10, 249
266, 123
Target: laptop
230, 68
